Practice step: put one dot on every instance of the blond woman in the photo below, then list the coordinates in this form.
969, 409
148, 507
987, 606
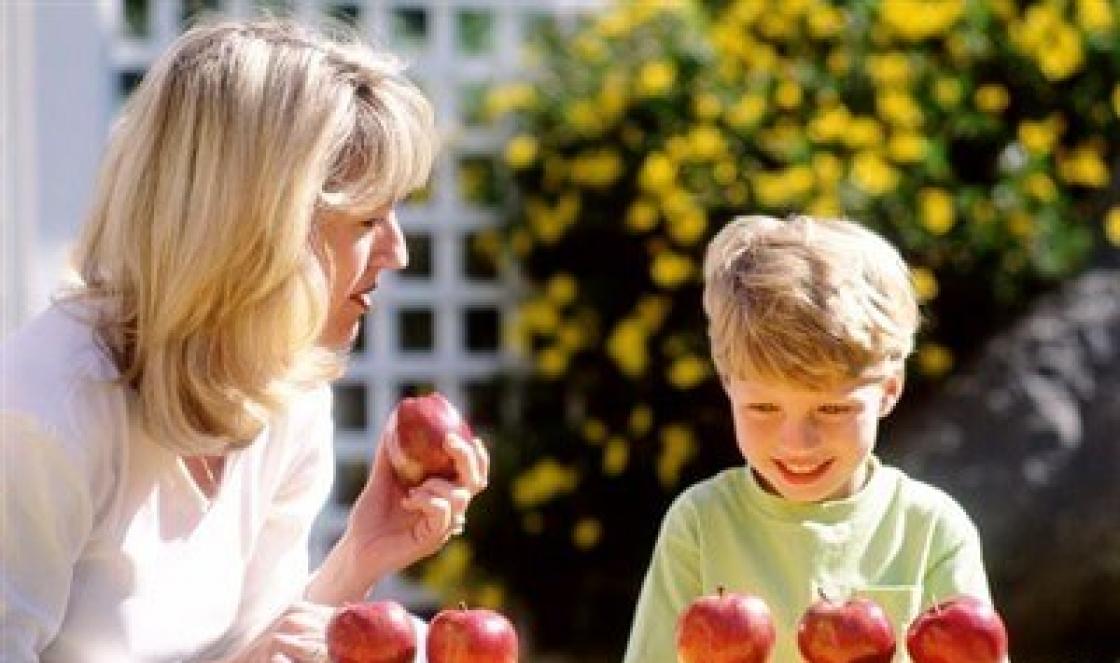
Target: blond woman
166, 428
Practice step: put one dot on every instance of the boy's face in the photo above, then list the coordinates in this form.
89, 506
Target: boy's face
809, 445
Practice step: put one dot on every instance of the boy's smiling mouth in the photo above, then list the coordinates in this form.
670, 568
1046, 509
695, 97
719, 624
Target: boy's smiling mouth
800, 473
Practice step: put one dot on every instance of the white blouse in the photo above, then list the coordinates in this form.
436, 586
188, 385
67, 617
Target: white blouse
109, 550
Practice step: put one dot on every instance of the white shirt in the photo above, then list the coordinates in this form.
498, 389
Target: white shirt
109, 551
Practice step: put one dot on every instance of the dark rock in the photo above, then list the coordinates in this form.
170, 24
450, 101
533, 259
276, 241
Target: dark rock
1028, 440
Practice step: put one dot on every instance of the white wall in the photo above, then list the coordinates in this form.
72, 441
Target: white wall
58, 101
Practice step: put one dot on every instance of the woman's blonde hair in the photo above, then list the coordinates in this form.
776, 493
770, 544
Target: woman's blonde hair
202, 230
806, 301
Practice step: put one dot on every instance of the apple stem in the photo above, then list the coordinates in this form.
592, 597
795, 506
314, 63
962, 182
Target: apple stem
462, 605
720, 591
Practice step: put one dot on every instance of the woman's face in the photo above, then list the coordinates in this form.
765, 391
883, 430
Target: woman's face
354, 250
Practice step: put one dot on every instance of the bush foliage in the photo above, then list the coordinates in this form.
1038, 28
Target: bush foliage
980, 137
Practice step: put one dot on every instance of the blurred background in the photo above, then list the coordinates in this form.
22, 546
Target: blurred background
553, 292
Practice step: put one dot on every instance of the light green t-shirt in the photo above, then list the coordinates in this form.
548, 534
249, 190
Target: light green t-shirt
901, 542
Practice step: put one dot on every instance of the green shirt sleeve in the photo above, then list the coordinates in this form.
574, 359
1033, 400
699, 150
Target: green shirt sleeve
671, 583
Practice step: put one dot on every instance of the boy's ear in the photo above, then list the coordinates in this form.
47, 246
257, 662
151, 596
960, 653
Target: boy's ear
892, 391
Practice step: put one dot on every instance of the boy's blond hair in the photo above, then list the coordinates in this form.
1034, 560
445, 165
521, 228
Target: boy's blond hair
806, 301
202, 230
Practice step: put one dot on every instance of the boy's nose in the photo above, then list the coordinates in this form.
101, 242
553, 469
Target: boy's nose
798, 434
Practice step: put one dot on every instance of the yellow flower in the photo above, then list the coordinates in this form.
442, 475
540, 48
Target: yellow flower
725, 172
586, 533
863, 132
1112, 226
652, 309
642, 216
829, 125
788, 95
736, 194
688, 228
627, 347
641, 419
490, 596
521, 151
825, 21
889, 69
573, 335
827, 168
826, 205
1116, 99
658, 172
584, 117
688, 372
616, 455
1094, 15
1040, 187
447, 570
706, 106
670, 270
907, 147
1040, 137
992, 98
539, 315
1083, 166
597, 168
838, 62
872, 174
552, 362
543, 482
615, 23
782, 188
678, 446
1055, 44
899, 108
506, 98
562, 288
934, 359
589, 48
612, 96
915, 20
937, 210
746, 112
705, 142
1020, 224
947, 92
925, 283
594, 431
656, 78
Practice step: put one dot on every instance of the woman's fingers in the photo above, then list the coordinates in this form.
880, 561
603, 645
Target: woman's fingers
435, 511
472, 462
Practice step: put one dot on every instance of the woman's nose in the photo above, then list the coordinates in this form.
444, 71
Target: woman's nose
390, 250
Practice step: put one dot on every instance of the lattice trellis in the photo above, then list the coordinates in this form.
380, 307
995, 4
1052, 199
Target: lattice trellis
439, 323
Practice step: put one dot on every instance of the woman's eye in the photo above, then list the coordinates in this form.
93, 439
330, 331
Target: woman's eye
763, 408
370, 224
835, 410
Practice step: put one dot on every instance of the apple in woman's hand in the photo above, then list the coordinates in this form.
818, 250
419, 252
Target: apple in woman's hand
725, 628
377, 632
422, 425
963, 629
855, 631
460, 635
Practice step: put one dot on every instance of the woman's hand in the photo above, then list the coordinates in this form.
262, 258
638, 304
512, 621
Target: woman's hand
297, 636
392, 526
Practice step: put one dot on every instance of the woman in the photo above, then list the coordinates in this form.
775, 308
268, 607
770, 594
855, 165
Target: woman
166, 428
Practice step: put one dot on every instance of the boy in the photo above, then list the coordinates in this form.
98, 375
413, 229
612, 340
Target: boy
810, 322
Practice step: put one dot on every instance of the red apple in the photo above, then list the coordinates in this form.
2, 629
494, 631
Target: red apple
855, 631
422, 425
377, 632
725, 628
460, 635
963, 629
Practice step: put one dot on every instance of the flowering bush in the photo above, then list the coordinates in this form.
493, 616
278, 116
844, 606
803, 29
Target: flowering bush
977, 136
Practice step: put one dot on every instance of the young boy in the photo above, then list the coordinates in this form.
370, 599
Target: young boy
810, 321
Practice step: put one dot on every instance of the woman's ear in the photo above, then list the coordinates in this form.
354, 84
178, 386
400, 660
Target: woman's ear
892, 391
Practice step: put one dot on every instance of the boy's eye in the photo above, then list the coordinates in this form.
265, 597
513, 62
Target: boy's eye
762, 408
836, 409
